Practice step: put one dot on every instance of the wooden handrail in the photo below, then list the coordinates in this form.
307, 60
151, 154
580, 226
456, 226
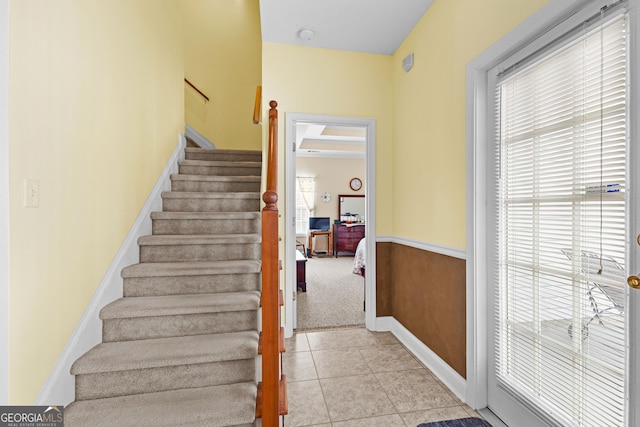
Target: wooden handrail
257, 104
270, 284
196, 89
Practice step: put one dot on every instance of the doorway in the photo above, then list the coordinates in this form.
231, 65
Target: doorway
565, 331
328, 131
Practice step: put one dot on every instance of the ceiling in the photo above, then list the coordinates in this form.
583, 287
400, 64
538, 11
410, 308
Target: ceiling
372, 26
317, 140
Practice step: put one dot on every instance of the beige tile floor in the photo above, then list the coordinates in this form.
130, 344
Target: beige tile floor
354, 377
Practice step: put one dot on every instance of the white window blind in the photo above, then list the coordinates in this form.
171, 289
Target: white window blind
560, 344
305, 203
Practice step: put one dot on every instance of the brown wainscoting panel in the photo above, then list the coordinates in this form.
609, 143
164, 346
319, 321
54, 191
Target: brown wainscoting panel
428, 297
383, 279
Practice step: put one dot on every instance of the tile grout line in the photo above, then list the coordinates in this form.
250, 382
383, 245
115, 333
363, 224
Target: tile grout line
382, 387
324, 399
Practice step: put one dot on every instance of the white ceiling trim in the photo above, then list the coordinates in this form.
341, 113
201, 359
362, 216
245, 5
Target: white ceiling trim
329, 154
336, 139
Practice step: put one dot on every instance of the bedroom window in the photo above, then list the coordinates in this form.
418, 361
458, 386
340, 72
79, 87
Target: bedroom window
305, 203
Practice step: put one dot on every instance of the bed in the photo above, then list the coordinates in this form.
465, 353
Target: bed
359, 259
359, 265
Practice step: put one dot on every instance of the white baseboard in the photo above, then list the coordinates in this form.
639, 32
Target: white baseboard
384, 324
456, 383
59, 388
198, 138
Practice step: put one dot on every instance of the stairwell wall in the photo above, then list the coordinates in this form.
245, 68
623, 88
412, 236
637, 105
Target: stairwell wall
96, 100
223, 58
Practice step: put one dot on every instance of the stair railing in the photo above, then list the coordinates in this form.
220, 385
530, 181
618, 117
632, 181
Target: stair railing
206, 98
257, 105
271, 404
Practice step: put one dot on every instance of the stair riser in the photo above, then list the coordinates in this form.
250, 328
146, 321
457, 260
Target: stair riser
218, 157
214, 186
123, 383
210, 284
205, 226
225, 405
211, 205
204, 252
141, 328
220, 170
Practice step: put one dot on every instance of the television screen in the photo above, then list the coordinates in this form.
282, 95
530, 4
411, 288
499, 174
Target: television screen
319, 223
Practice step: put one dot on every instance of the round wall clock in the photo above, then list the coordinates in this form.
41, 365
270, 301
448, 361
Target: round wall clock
325, 197
355, 184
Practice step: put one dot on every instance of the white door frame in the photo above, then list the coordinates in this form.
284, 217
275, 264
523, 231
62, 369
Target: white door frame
633, 261
291, 119
4, 201
478, 131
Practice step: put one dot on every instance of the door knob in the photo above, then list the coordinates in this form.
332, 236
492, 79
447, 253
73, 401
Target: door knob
634, 282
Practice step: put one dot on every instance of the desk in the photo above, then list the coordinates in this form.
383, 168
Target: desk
314, 233
301, 271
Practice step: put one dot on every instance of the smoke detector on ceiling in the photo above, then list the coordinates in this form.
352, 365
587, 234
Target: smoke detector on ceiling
305, 34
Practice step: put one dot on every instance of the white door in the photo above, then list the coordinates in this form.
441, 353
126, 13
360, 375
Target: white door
563, 329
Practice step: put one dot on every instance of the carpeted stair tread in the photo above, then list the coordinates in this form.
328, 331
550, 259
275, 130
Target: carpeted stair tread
229, 167
223, 163
204, 195
215, 178
177, 222
182, 239
155, 306
194, 180
160, 352
221, 151
200, 268
225, 405
206, 215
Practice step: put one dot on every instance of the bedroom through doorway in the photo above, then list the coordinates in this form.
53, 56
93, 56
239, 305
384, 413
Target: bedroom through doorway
327, 178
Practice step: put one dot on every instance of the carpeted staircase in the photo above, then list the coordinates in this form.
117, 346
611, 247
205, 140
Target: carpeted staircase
180, 348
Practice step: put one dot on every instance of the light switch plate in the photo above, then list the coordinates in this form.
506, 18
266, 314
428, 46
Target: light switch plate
31, 195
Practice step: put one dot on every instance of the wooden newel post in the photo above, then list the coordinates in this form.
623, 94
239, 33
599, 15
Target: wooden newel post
270, 285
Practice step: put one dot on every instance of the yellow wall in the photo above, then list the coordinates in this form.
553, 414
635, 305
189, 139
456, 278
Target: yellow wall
325, 81
223, 54
95, 109
333, 176
429, 108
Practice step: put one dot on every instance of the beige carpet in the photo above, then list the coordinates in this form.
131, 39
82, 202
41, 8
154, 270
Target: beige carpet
334, 297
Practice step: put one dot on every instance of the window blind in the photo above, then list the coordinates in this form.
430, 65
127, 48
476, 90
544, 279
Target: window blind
561, 150
305, 202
